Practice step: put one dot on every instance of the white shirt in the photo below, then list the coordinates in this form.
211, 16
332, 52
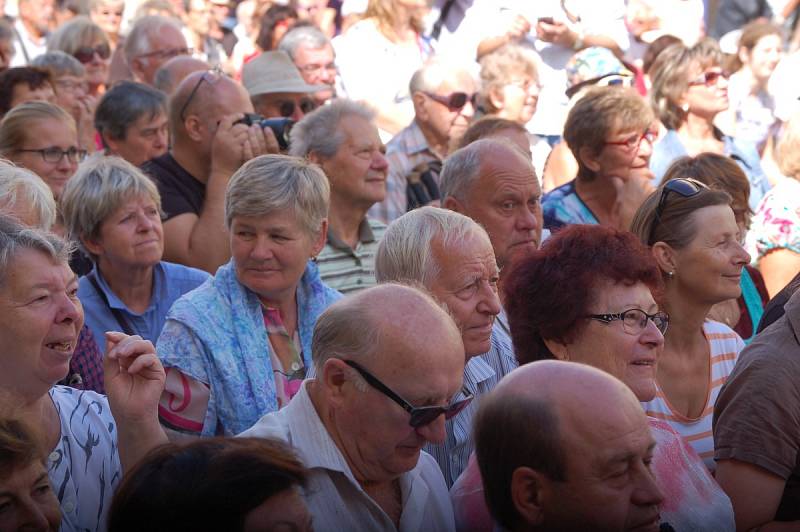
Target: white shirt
334, 497
26, 47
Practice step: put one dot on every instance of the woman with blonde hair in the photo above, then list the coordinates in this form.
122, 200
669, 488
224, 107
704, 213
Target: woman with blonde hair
389, 39
88, 43
690, 89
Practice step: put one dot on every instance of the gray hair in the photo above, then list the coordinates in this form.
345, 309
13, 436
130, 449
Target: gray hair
273, 182
77, 32
405, 253
16, 237
123, 105
432, 74
461, 170
318, 131
100, 187
308, 36
138, 41
59, 63
21, 186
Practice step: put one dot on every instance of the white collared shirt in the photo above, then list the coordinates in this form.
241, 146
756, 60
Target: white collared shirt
334, 497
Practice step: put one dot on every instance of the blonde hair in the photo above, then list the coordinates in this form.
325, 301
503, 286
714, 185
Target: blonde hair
499, 68
788, 151
385, 14
16, 123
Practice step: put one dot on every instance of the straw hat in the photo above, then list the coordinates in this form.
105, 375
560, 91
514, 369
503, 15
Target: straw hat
272, 72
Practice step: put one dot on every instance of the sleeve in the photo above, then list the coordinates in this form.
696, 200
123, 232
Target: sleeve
757, 414
776, 224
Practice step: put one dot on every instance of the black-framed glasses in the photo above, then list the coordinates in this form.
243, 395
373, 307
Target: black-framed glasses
286, 108
420, 415
709, 78
211, 77
685, 187
85, 54
634, 141
455, 101
634, 320
54, 155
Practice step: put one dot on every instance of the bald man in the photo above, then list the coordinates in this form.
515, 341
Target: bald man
170, 74
493, 182
208, 146
379, 395
564, 446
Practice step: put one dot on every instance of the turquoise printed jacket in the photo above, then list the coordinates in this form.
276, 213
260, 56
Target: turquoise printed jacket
215, 334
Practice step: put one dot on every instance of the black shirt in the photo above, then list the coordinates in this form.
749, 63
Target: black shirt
180, 191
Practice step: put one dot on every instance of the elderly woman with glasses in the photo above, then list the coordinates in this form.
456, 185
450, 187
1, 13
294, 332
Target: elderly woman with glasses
610, 133
689, 90
88, 43
239, 346
589, 296
42, 137
692, 234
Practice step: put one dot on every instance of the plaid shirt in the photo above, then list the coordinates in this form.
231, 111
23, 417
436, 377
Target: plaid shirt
86, 366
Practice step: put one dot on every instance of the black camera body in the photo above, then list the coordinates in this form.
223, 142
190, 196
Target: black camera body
280, 126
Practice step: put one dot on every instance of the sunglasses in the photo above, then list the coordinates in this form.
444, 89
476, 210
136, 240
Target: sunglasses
455, 100
211, 77
286, 108
420, 415
709, 78
684, 187
85, 54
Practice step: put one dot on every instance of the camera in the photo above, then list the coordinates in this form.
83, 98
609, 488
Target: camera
280, 126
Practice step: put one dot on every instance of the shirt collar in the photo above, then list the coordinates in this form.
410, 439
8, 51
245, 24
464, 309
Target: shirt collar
365, 235
159, 289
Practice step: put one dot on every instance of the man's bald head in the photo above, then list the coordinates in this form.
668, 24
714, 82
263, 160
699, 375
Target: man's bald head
210, 96
170, 74
369, 324
556, 420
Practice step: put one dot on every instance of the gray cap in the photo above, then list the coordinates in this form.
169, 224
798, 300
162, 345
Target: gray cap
273, 72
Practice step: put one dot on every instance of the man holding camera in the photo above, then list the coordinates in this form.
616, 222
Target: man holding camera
276, 88
209, 143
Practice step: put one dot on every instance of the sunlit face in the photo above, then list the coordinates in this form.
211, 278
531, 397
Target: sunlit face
22, 92
626, 153
520, 98
632, 358
764, 57
448, 122
70, 92
467, 285
97, 68
292, 105
108, 15
131, 236
284, 512
145, 139
27, 501
706, 99
42, 318
48, 133
357, 171
709, 269
168, 43
317, 67
270, 252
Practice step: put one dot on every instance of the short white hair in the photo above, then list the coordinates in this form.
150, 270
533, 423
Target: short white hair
18, 185
318, 132
405, 252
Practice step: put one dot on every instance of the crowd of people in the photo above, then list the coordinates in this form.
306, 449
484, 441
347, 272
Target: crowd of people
412, 265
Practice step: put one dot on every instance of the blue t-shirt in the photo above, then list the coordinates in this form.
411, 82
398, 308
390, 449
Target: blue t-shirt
562, 206
170, 281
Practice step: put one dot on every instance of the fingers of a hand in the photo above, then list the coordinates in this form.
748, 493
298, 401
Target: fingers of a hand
131, 347
270, 140
247, 150
112, 339
146, 365
256, 137
227, 121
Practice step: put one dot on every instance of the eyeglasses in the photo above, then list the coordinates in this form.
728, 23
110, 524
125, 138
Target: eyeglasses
167, 53
709, 78
211, 77
54, 155
525, 84
454, 101
71, 86
634, 320
684, 187
314, 68
286, 108
420, 416
635, 141
85, 54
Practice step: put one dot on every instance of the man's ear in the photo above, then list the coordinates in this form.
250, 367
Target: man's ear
193, 127
314, 158
334, 377
453, 204
527, 493
559, 350
136, 69
420, 109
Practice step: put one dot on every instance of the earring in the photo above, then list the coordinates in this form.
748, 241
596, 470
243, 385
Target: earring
670, 274
685, 107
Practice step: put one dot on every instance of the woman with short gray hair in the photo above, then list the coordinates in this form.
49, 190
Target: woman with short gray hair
114, 212
239, 346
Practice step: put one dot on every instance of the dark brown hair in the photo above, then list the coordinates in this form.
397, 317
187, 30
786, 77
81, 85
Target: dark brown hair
33, 77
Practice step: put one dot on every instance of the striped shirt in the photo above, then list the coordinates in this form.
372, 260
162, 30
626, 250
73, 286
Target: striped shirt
346, 269
481, 375
725, 346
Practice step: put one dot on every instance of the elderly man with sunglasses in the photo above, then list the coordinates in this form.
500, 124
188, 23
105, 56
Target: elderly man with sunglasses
208, 145
451, 256
276, 87
443, 95
379, 395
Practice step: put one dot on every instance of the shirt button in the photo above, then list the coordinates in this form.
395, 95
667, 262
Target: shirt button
54, 456
359, 281
68, 507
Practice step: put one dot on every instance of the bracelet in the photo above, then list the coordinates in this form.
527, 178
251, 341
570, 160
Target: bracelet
578, 44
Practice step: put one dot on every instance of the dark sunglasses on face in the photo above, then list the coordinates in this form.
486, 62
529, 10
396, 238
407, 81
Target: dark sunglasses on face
286, 108
684, 187
454, 101
85, 54
420, 415
709, 78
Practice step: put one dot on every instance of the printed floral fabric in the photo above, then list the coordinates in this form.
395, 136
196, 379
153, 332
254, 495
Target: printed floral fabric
776, 224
